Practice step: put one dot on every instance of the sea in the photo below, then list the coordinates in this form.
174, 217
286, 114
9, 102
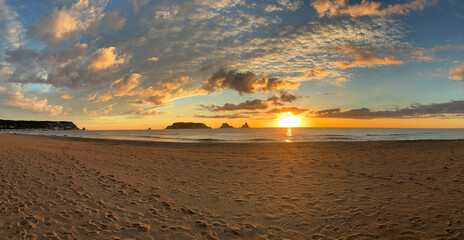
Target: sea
244, 135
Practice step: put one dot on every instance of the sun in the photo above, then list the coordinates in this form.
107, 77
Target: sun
288, 120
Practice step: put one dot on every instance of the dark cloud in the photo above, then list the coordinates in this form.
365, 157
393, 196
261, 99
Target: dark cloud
157, 100
422, 111
137, 102
245, 82
283, 96
63, 68
257, 104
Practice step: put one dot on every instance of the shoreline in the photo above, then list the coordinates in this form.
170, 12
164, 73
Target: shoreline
101, 189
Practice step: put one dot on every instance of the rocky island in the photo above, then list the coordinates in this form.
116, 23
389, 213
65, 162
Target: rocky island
226, 125
36, 125
245, 125
187, 125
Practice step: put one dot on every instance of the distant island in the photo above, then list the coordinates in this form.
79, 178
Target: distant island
187, 125
226, 125
37, 125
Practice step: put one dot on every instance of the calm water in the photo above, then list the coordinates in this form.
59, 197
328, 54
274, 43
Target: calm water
265, 134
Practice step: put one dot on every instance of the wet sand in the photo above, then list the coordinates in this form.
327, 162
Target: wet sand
65, 188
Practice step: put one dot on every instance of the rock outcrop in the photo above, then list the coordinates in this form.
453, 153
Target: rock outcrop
226, 125
37, 125
187, 125
245, 125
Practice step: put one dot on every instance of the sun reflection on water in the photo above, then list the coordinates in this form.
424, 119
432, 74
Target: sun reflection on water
289, 135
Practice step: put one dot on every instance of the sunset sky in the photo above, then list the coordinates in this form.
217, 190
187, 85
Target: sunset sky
133, 64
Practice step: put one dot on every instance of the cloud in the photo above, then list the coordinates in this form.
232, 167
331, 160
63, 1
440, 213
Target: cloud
245, 82
147, 112
162, 91
18, 100
283, 5
363, 57
425, 54
165, 14
12, 28
113, 20
153, 59
120, 87
333, 8
328, 93
457, 73
65, 23
144, 112
257, 104
137, 102
63, 68
234, 39
293, 110
66, 96
312, 73
283, 96
104, 58
341, 80
415, 111
106, 110
228, 116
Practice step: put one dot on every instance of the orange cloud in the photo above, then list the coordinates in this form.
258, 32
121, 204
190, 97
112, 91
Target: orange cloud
104, 58
366, 8
361, 57
102, 111
312, 73
17, 100
66, 96
162, 91
121, 87
457, 73
153, 59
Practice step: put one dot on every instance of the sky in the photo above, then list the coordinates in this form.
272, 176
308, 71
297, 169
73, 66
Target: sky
134, 64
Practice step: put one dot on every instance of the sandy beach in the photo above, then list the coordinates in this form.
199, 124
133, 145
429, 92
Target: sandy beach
66, 188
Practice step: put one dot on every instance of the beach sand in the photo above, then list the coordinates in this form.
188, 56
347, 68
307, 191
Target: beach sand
65, 188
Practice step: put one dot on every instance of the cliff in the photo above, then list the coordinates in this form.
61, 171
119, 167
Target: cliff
42, 125
187, 125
